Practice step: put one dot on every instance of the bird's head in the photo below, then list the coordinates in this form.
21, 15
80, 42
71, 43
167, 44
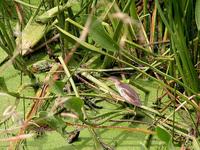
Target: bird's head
114, 79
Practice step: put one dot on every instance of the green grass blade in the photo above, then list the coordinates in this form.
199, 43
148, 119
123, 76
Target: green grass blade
197, 14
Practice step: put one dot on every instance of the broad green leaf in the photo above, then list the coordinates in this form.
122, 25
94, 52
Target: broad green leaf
57, 87
197, 14
170, 145
163, 134
3, 87
45, 17
75, 104
52, 121
99, 35
4, 90
31, 35
43, 114
196, 144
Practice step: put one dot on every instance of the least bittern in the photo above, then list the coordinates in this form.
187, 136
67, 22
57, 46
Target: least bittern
129, 94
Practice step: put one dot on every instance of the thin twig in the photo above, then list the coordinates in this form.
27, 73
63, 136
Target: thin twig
113, 127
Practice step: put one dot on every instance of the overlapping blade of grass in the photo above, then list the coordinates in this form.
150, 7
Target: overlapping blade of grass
119, 27
53, 12
101, 44
180, 18
138, 27
197, 14
75, 39
8, 44
177, 31
94, 49
99, 35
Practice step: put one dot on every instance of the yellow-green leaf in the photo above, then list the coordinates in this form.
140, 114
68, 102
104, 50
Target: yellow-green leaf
197, 14
31, 35
99, 35
75, 104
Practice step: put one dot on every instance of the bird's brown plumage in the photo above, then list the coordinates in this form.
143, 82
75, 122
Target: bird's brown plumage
129, 94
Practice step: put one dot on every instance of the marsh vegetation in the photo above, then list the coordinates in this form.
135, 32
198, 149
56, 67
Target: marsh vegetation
56, 60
